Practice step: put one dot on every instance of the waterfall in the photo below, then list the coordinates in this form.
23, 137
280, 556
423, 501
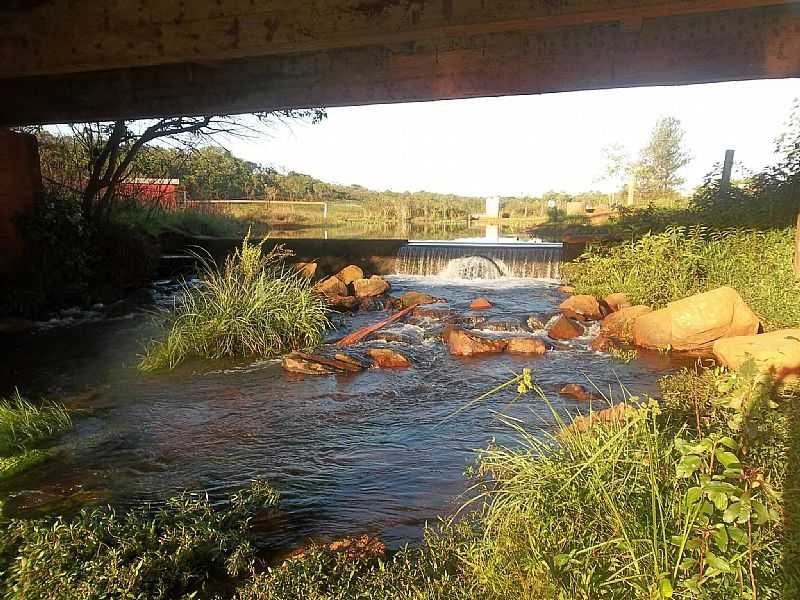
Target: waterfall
480, 261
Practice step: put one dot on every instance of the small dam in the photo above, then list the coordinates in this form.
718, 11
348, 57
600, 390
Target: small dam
480, 260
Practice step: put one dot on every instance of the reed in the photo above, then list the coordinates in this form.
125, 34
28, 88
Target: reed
254, 305
23, 424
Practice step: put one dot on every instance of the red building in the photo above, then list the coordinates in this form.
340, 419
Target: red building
166, 193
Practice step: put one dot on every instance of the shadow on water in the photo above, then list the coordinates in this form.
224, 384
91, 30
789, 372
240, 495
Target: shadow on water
370, 452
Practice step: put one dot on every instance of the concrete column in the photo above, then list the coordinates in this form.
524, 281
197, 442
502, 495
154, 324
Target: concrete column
20, 186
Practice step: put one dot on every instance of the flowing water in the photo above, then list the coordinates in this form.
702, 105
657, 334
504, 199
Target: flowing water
464, 260
371, 452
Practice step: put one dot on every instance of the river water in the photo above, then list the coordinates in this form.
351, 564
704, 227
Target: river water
373, 452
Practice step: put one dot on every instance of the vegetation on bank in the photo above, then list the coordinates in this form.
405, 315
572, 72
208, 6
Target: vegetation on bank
255, 305
23, 426
691, 497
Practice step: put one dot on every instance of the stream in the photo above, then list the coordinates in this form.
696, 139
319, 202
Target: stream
378, 452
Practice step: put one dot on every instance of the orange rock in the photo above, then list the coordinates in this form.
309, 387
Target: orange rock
601, 344
566, 289
354, 548
464, 343
576, 391
480, 304
374, 286
526, 345
617, 301
618, 414
306, 269
331, 287
343, 303
581, 307
349, 274
565, 329
776, 353
620, 324
696, 322
384, 358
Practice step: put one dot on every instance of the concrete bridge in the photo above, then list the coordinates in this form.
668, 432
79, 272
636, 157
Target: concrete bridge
70, 60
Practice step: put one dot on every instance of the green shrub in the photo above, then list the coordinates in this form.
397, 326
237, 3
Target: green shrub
253, 306
178, 551
660, 268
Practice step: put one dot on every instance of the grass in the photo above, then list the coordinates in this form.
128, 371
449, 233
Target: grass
23, 426
253, 306
658, 268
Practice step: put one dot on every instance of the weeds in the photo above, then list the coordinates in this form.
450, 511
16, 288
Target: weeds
252, 306
23, 424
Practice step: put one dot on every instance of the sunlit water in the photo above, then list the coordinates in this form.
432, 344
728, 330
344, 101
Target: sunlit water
371, 452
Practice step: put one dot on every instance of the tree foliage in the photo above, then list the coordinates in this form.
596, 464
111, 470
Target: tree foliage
662, 159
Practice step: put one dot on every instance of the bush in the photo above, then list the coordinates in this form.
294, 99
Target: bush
178, 551
253, 306
660, 268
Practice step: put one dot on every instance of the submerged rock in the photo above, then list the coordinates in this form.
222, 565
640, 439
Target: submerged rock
505, 324
332, 287
353, 548
535, 323
344, 303
346, 358
296, 364
433, 311
696, 322
566, 289
374, 286
411, 298
577, 391
565, 329
394, 335
776, 353
582, 308
15, 325
480, 304
350, 274
526, 345
466, 343
386, 358
617, 414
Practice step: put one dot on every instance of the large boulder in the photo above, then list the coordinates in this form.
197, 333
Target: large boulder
331, 287
565, 329
385, 358
696, 322
433, 311
343, 303
374, 286
466, 343
349, 274
507, 324
617, 301
581, 307
620, 324
526, 345
306, 269
577, 391
303, 366
776, 353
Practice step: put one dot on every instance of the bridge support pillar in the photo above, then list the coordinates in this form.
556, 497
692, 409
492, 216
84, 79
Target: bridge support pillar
20, 186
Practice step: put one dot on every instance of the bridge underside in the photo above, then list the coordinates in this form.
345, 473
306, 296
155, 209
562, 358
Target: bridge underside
70, 60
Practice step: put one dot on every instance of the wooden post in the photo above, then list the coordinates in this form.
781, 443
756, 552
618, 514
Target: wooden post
797, 246
726, 171
631, 188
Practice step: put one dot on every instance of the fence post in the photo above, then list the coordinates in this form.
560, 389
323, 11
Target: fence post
727, 167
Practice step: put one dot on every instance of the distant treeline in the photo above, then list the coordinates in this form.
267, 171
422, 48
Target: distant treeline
213, 173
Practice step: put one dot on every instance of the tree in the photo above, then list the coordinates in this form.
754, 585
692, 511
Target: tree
617, 165
104, 153
662, 159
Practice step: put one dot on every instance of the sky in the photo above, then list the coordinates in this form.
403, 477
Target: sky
525, 145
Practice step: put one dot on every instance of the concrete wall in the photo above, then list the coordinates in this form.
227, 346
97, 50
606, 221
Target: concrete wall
20, 185
374, 256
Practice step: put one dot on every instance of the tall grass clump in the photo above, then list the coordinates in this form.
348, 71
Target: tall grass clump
659, 268
24, 425
253, 306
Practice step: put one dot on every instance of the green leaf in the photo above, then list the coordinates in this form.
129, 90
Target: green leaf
688, 465
731, 513
693, 494
737, 535
721, 539
729, 442
762, 514
720, 499
718, 563
560, 560
728, 459
665, 588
